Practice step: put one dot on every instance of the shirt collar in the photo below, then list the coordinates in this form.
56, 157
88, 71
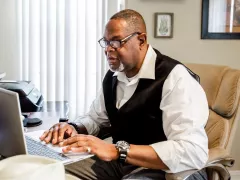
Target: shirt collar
147, 70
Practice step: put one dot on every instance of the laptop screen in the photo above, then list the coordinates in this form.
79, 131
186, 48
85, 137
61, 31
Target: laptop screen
12, 140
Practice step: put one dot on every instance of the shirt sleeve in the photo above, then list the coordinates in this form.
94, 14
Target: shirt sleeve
96, 117
185, 113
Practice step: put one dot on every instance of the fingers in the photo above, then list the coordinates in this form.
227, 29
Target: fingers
64, 127
80, 138
51, 135
48, 138
55, 135
78, 143
73, 149
44, 135
69, 148
73, 132
77, 147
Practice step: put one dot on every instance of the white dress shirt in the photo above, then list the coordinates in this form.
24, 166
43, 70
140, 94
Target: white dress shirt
185, 113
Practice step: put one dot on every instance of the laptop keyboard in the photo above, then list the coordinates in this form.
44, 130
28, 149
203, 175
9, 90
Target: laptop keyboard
37, 148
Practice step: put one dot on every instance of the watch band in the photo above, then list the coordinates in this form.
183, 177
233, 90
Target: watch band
122, 155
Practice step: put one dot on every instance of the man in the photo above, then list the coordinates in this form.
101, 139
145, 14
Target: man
156, 109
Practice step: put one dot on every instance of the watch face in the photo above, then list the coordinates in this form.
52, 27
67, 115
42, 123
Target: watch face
122, 145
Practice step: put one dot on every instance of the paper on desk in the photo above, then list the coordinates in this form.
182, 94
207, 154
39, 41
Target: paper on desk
73, 156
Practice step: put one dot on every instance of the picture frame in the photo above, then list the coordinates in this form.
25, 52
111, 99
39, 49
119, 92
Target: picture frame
163, 26
223, 23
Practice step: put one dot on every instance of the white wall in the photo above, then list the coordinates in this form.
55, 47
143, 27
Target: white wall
186, 44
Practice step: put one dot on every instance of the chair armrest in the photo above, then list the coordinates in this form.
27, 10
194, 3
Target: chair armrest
219, 168
220, 156
180, 175
218, 159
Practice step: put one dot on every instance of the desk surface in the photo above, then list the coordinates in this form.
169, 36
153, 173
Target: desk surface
49, 114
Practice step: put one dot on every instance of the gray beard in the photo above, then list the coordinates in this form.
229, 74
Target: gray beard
119, 69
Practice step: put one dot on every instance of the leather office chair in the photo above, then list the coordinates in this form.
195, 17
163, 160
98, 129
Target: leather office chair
222, 86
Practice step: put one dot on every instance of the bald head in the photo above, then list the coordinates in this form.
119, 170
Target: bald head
134, 20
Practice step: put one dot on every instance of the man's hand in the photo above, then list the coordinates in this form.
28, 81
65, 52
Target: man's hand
57, 133
90, 144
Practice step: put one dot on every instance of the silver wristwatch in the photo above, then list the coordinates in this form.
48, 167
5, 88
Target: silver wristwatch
123, 148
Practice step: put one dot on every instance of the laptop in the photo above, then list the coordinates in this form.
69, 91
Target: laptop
13, 141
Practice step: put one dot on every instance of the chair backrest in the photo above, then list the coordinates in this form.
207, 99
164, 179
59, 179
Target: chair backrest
222, 87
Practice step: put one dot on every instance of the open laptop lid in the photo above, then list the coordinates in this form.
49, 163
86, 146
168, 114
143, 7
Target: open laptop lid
12, 141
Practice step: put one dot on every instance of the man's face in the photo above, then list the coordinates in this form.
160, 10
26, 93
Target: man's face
126, 57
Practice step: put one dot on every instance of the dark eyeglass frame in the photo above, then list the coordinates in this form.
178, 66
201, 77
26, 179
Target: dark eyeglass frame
121, 42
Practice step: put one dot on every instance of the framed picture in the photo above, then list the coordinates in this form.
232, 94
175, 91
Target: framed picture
220, 19
163, 27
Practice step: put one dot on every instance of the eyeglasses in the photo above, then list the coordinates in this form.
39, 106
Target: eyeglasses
116, 43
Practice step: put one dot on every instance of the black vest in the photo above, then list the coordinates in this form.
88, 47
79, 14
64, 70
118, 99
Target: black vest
139, 120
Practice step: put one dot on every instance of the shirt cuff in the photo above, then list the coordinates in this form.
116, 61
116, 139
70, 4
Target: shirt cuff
166, 151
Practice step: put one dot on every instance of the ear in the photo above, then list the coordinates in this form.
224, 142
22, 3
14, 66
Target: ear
142, 39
